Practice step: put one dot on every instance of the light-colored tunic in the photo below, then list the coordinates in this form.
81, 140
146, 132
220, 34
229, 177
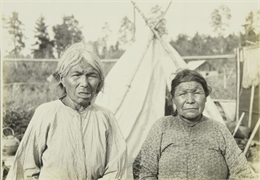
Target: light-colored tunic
177, 150
62, 144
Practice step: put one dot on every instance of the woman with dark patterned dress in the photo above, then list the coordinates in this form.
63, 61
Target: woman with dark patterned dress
189, 145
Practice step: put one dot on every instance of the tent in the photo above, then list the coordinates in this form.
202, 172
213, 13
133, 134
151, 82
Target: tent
135, 89
248, 59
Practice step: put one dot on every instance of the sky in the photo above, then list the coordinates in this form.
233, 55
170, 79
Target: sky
183, 17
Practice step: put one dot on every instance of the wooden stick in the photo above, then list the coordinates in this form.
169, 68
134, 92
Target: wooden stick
146, 20
238, 83
134, 25
215, 57
230, 74
225, 79
250, 42
252, 136
163, 15
157, 36
251, 106
238, 124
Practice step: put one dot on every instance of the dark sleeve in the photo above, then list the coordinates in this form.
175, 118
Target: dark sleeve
235, 158
146, 164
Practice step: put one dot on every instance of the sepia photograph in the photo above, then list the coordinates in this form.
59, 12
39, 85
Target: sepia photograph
130, 90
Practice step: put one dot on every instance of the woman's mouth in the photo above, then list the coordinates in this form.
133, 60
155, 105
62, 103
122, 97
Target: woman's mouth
84, 94
190, 109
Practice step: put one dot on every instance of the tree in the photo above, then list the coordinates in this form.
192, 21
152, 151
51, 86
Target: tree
220, 19
67, 33
104, 41
232, 42
114, 52
205, 45
251, 34
126, 33
14, 26
198, 45
156, 19
43, 42
182, 44
212, 45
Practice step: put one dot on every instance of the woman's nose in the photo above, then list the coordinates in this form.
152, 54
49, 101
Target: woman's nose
84, 81
190, 98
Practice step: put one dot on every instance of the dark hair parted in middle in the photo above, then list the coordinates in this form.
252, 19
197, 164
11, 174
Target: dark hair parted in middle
187, 75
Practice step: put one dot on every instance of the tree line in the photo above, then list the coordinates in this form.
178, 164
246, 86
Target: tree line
69, 32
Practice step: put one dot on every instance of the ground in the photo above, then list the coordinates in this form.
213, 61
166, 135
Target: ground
254, 158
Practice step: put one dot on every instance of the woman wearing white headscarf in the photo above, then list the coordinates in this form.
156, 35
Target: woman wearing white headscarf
72, 138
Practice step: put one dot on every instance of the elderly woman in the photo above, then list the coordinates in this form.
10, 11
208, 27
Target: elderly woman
72, 138
189, 145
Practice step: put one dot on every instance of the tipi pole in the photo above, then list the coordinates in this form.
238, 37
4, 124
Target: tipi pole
251, 105
134, 24
238, 84
157, 36
238, 124
252, 136
163, 15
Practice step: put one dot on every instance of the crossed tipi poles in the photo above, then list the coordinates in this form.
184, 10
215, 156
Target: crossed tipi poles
156, 34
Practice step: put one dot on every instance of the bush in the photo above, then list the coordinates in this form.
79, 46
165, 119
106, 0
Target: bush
18, 120
20, 102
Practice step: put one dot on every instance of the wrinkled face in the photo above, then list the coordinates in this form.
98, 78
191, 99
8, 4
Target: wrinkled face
81, 84
190, 100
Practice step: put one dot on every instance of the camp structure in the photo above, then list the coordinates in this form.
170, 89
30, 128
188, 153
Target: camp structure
135, 89
248, 81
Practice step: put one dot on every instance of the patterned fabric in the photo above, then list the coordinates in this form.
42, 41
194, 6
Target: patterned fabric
174, 149
62, 144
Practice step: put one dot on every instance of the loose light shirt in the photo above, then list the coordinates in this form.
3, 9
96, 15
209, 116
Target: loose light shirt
63, 144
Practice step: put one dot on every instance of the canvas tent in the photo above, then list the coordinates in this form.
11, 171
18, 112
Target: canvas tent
248, 102
135, 89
